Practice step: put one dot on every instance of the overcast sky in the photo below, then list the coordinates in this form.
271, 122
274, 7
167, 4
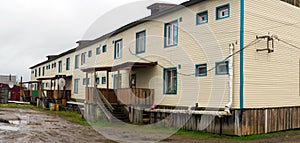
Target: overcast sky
32, 29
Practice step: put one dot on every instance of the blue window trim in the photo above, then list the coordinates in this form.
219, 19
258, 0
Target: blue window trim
196, 70
90, 53
43, 71
165, 34
103, 80
97, 51
227, 72
115, 54
76, 63
104, 46
164, 75
68, 62
76, 91
83, 81
242, 24
136, 44
197, 17
222, 6
60, 66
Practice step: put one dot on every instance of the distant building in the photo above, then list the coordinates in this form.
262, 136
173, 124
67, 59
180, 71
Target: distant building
6, 79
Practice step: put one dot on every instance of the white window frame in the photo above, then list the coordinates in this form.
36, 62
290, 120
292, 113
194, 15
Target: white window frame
118, 49
140, 42
171, 34
170, 81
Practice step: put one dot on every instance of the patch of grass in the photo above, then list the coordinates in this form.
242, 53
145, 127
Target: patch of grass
73, 117
236, 138
21, 106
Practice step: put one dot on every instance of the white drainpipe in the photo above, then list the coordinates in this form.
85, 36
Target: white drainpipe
230, 60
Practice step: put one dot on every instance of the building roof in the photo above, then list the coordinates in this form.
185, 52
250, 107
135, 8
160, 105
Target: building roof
54, 58
127, 65
124, 28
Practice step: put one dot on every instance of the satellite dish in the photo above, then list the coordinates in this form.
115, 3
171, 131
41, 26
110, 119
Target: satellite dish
10, 85
61, 82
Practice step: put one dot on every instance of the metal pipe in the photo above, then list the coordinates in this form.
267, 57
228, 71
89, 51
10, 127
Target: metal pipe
191, 112
229, 104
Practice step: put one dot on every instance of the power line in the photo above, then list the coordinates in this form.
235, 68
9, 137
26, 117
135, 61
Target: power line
161, 66
292, 45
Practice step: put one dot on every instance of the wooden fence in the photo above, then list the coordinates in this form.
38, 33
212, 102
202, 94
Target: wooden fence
127, 96
241, 122
55, 94
136, 96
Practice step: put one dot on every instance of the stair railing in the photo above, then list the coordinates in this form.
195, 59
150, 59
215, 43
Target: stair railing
106, 102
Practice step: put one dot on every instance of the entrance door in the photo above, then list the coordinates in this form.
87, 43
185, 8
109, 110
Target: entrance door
116, 81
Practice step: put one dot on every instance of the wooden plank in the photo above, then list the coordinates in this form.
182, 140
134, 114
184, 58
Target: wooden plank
255, 112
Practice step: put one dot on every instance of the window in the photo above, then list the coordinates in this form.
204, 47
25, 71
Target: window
39, 71
68, 64
83, 58
88, 81
35, 73
43, 72
90, 54
84, 81
59, 66
223, 11
171, 34
118, 49
103, 80
32, 72
76, 81
170, 81
222, 68
104, 49
201, 70
140, 42
97, 80
98, 51
202, 17
54, 65
76, 61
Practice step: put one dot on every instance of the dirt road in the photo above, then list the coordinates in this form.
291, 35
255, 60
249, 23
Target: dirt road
29, 126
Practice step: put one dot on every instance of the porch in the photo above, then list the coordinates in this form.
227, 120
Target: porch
119, 95
51, 93
126, 96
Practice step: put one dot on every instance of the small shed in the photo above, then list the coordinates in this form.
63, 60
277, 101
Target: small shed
7, 93
3, 94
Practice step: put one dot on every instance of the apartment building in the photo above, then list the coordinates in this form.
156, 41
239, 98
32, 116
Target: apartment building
240, 56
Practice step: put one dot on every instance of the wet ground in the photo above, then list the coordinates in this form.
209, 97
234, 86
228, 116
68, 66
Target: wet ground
29, 126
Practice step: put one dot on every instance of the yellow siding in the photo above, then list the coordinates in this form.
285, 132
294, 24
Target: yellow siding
198, 44
272, 80
195, 44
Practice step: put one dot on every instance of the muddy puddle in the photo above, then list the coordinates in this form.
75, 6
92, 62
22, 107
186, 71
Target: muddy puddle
27, 126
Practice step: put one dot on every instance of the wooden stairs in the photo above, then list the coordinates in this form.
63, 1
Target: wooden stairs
114, 113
